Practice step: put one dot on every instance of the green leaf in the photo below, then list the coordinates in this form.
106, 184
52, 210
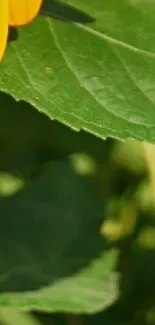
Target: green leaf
95, 72
52, 254
11, 317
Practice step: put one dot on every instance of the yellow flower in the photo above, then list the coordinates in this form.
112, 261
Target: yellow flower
15, 13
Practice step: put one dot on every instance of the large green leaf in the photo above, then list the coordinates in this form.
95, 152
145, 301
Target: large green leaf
52, 254
95, 72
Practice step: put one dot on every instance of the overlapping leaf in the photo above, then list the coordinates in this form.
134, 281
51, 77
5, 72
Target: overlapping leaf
52, 256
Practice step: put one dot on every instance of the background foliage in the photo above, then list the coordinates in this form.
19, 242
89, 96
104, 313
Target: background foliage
77, 205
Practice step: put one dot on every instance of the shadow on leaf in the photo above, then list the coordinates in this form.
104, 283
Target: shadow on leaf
59, 11
13, 34
64, 12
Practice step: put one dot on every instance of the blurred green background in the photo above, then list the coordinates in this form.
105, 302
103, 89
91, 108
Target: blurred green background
122, 176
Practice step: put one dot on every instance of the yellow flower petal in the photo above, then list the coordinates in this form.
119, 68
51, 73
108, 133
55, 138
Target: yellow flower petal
22, 12
4, 16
